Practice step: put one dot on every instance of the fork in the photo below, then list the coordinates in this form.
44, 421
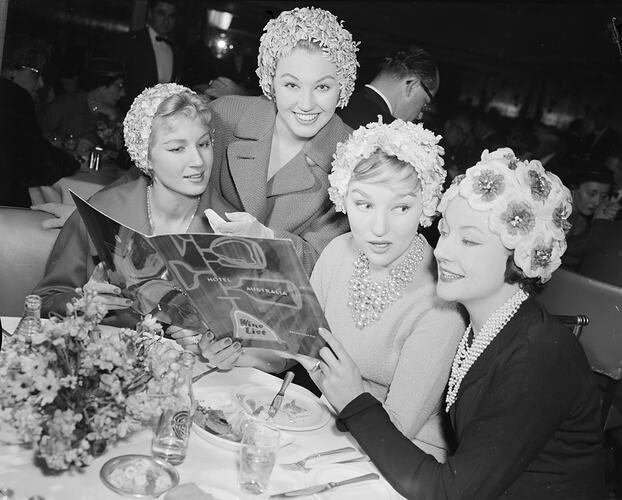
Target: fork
300, 465
363, 458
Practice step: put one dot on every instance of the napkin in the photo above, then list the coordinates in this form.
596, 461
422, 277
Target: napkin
188, 491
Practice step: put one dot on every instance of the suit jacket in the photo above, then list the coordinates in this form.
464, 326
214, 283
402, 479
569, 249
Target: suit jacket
294, 203
27, 158
73, 256
526, 420
364, 107
136, 53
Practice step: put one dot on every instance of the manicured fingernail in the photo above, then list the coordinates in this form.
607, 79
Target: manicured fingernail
228, 341
237, 345
117, 290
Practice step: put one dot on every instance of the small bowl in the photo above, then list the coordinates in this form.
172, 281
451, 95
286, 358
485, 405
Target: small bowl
139, 476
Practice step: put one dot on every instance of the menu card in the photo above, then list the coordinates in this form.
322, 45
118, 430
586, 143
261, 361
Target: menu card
254, 290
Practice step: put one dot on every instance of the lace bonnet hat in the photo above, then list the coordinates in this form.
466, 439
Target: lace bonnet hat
139, 120
529, 208
406, 141
312, 24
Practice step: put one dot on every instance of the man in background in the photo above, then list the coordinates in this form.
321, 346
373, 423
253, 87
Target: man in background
405, 85
26, 157
148, 55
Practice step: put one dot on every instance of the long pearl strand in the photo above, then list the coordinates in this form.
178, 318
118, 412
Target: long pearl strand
150, 216
466, 356
368, 299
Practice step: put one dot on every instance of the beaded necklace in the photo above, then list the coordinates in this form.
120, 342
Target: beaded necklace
467, 355
368, 299
150, 216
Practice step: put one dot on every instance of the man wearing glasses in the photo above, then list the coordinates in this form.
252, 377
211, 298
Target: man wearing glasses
404, 87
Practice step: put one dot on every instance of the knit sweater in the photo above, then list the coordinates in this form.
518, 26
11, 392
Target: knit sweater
405, 357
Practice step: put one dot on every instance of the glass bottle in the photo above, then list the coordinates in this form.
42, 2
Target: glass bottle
170, 438
31, 319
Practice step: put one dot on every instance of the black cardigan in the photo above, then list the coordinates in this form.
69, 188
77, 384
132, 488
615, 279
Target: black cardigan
526, 420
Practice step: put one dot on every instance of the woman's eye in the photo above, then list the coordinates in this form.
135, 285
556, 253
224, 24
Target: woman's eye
177, 149
363, 205
291, 85
205, 144
402, 209
469, 243
323, 86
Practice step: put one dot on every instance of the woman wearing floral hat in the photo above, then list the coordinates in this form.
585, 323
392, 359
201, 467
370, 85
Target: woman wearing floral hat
168, 134
272, 153
520, 397
377, 283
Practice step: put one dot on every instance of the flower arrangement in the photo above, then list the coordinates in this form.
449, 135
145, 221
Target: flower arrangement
72, 388
406, 141
529, 208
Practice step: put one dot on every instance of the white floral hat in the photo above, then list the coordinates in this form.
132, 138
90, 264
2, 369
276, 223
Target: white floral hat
406, 141
529, 208
139, 119
312, 24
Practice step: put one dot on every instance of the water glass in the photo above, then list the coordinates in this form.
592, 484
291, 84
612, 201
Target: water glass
259, 446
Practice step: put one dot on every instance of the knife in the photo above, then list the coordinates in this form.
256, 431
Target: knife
278, 399
318, 488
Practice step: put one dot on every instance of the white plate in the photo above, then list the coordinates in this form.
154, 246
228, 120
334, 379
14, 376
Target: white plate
216, 398
377, 489
301, 409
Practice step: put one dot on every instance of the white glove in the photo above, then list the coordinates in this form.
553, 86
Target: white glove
239, 224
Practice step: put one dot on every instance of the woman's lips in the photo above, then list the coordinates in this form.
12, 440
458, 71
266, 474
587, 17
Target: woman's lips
447, 276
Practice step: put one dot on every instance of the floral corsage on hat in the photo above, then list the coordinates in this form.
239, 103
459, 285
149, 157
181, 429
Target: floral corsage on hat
406, 141
530, 208
139, 120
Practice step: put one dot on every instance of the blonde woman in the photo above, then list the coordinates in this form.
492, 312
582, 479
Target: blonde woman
168, 135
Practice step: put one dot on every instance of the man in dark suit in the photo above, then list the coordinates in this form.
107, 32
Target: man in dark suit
148, 54
26, 157
406, 83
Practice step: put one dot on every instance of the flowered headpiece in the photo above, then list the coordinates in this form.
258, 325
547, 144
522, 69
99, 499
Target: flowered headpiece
315, 25
406, 141
530, 208
139, 119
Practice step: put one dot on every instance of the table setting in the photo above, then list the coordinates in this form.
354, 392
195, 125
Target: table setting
252, 435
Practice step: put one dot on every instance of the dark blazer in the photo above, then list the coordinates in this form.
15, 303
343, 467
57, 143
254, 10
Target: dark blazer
136, 53
73, 256
364, 107
294, 203
27, 158
526, 421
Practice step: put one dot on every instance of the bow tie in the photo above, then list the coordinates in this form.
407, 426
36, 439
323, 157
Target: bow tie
162, 39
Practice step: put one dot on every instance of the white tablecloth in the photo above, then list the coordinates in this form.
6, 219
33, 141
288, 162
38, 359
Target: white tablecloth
206, 465
84, 183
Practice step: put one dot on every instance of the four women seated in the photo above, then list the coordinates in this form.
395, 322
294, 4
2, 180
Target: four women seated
520, 396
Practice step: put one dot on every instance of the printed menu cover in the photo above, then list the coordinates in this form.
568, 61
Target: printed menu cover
254, 290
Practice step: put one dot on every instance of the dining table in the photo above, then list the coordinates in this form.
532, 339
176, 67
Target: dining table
210, 465
84, 183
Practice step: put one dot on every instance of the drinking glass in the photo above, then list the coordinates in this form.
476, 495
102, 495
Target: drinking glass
260, 442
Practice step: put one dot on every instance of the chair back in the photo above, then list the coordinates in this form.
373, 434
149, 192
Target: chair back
24, 249
569, 293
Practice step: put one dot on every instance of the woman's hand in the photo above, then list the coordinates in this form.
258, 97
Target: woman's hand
336, 374
239, 224
188, 339
107, 294
607, 210
221, 353
58, 210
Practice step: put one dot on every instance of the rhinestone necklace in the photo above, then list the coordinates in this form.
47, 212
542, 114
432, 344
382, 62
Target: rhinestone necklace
368, 299
467, 355
150, 216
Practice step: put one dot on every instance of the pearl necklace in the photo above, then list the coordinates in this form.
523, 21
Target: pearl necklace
150, 216
368, 299
466, 356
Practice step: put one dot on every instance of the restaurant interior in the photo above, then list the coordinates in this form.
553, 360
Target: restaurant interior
534, 70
